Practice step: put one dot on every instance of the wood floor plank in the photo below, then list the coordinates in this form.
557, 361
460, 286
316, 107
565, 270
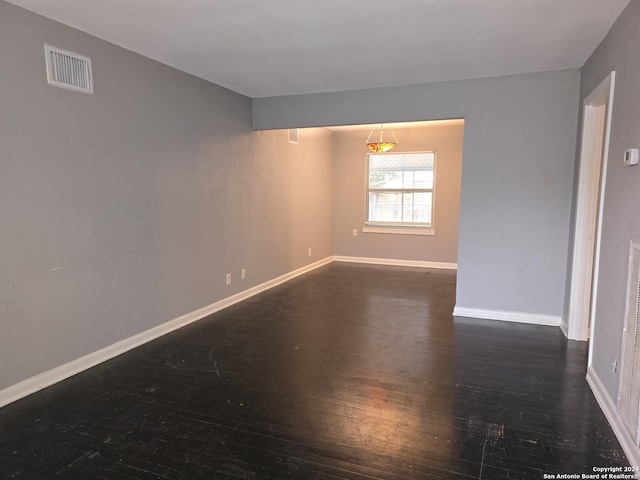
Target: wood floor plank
349, 372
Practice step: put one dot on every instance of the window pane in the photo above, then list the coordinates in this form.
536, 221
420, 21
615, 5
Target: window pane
408, 179
399, 207
385, 207
417, 207
404, 170
423, 179
385, 179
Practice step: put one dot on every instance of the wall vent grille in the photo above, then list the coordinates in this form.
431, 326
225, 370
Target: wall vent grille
629, 396
294, 135
68, 70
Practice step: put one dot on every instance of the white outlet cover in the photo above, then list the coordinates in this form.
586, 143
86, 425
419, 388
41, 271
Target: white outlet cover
631, 156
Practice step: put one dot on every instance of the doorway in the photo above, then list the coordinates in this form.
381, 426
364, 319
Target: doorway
596, 124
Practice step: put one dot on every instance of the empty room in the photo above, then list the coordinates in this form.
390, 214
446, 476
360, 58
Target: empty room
319, 240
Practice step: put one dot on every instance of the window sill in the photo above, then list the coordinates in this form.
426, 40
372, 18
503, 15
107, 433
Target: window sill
399, 230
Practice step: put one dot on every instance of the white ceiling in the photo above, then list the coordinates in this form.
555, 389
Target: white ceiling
278, 47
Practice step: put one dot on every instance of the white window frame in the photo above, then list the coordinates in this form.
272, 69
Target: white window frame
399, 228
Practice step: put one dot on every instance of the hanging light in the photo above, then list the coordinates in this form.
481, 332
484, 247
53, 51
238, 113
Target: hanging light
381, 145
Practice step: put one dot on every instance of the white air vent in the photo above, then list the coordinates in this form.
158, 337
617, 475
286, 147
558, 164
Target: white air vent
68, 70
629, 396
294, 136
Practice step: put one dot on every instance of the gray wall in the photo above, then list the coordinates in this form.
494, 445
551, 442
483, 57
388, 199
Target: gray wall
125, 209
621, 216
517, 175
349, 196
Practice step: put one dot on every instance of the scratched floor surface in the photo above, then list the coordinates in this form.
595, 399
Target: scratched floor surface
349, 372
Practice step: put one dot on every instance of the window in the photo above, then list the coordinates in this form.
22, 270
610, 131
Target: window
400, 190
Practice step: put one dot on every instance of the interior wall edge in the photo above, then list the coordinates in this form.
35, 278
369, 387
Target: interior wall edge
38, 382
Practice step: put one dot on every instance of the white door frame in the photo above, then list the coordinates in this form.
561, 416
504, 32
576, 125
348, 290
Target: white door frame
594, 148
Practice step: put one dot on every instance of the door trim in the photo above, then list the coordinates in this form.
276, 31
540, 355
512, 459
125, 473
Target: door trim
594, 148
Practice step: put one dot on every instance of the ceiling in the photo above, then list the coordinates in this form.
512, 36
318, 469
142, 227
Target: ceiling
264, 48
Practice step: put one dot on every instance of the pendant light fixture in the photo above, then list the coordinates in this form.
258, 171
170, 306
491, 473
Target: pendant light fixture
382, 145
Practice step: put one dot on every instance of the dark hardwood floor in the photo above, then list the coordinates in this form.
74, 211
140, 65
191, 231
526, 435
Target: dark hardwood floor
351, 371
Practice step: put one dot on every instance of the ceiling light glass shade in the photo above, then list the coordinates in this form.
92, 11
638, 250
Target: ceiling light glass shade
382, 145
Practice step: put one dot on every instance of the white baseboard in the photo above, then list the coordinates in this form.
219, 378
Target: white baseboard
62, 372
505, 316
397, 262
613, 417
565, 328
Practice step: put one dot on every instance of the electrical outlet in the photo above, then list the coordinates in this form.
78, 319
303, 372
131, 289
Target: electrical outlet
355, 232
243, 274
228, 279
309, 251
